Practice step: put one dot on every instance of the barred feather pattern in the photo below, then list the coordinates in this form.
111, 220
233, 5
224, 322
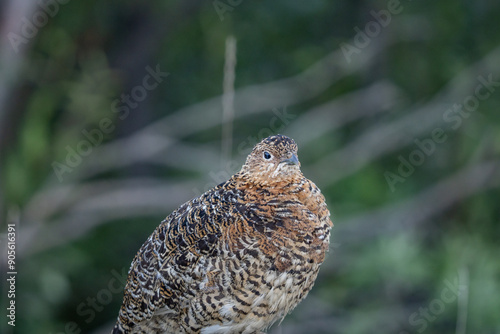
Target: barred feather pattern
236, 259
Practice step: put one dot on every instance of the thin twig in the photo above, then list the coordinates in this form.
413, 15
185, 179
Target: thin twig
463, 301
228, 99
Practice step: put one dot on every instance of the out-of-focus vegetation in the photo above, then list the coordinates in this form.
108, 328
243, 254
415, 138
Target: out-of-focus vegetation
394, 106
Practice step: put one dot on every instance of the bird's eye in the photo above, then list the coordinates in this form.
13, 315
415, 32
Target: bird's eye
267, 155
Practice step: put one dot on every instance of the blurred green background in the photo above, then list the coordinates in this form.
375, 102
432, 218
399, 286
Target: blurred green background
394, 106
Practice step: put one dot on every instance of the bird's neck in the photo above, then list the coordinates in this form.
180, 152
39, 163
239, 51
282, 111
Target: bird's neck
245, 180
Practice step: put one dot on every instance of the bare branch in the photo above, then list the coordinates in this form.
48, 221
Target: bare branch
91, 205
423, 206
382, 139
249, 100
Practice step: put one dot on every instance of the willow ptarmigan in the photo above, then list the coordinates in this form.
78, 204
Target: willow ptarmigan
235, 259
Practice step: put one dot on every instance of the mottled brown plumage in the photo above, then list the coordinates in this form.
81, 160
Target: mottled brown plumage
235, 259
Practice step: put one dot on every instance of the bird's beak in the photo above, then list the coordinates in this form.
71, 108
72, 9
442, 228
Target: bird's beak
293, 160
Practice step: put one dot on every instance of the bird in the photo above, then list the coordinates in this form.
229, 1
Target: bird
236, 259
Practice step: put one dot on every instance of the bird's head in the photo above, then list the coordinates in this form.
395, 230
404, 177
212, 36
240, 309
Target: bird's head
273, 160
